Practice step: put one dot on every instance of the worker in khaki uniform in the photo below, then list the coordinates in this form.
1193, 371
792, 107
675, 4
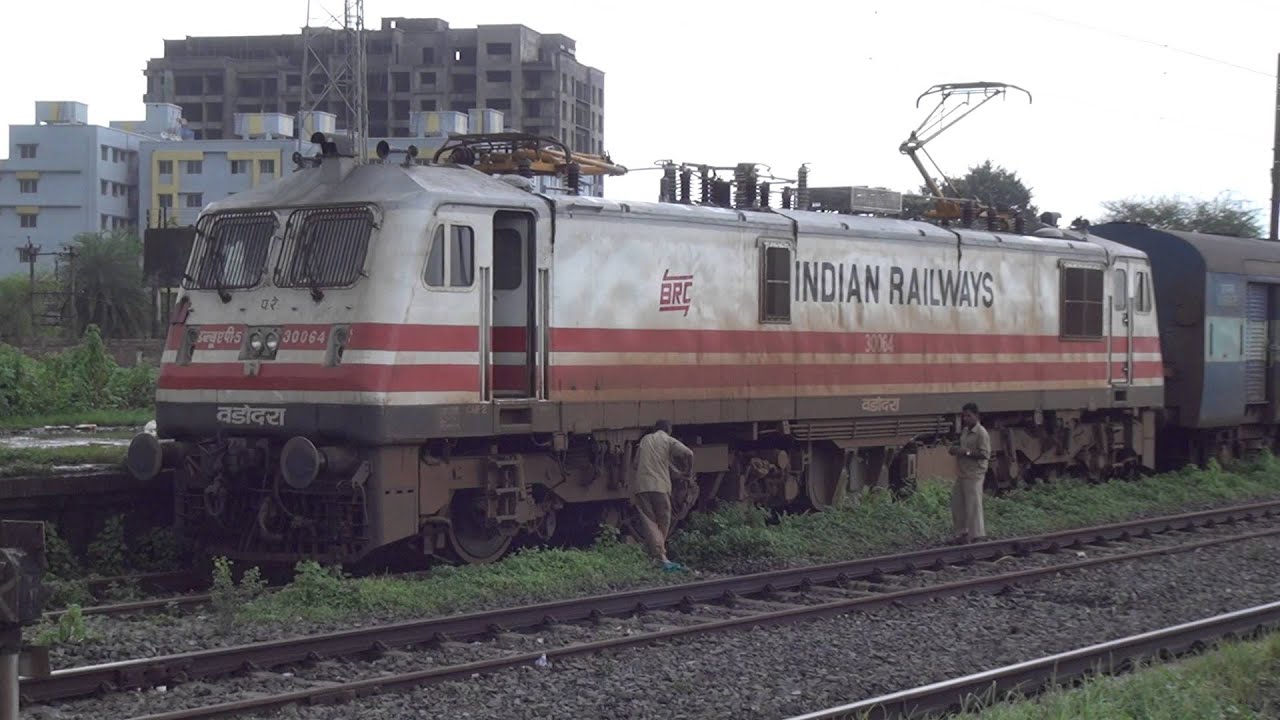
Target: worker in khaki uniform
972, 453
651, 493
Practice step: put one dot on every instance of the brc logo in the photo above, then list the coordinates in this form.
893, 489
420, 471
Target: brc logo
676, 293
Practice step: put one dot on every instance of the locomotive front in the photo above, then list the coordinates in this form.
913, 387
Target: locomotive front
269, 399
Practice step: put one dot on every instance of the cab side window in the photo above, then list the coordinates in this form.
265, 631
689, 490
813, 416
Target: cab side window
459, 254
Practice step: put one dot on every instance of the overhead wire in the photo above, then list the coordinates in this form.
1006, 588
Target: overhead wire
1154, 43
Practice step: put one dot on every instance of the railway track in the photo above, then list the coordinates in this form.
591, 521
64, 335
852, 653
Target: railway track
1027, 678
593, 624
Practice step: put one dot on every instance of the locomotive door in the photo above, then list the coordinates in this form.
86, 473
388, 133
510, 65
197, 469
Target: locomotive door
513, 319
1120, 344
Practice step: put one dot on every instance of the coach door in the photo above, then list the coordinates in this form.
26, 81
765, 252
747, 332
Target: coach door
514, 316
1120, 367
1256, 339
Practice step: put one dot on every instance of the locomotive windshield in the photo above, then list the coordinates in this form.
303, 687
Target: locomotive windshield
324, 247
230, 250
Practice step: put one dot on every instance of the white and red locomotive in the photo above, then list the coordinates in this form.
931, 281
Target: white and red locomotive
374, 355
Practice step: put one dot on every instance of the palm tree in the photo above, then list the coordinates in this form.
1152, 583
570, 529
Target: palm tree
110, 290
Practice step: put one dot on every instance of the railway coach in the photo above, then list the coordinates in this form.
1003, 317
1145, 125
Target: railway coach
1218, 299
432, 356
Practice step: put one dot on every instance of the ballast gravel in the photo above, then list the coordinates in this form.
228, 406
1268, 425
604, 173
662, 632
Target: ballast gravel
779, 671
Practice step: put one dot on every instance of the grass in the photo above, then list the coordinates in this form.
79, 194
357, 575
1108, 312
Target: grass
743, 540
530, 575
27, 462
103, 418
1237, 680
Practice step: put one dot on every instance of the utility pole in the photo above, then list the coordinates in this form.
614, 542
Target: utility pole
1275, 165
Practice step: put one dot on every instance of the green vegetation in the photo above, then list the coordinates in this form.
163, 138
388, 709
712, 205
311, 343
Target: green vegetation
69, 628
1237, 680
530, 575
103, 418
110, 553
740, 540
110, 290
84, 378
26, 462
80, 385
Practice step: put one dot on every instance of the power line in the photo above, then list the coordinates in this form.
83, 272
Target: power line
1165, 46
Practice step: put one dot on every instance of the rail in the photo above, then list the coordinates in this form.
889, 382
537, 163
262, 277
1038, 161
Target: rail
146, 672
1024, 678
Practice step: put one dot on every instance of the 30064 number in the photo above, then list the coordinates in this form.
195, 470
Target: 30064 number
304, 336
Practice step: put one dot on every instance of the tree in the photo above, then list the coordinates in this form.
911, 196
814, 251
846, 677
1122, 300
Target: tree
1222, 215
110, 290
989, 183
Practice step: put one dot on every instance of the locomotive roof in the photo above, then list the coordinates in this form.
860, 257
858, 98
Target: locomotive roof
817, 223
1219, 253
339, 181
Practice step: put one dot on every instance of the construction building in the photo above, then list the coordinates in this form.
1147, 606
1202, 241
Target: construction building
413, 65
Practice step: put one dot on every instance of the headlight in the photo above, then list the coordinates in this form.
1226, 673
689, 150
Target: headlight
273, 342
255, 343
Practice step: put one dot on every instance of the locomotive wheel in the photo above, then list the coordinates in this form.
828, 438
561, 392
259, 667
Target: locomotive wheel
469, 536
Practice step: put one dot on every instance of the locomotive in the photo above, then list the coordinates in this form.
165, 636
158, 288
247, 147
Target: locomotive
444, 359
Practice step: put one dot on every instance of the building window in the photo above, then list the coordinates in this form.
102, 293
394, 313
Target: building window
1082, 302
193, 200
498, 48
27, 152
400, 81
775, 283
267, 167
193, 167
106, 187
164, 167
427, 79
27, 187
427, 105
428, 56
116, 155
106, 153
240, 167
497, 76
498, 104
166, 201
29, 221
106, 222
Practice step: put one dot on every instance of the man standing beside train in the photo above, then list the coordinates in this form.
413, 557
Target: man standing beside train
651, 493
972, 453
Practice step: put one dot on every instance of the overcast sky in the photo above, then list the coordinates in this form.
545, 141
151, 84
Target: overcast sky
1122, 104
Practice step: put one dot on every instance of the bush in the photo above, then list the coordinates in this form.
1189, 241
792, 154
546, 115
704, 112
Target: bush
82, 378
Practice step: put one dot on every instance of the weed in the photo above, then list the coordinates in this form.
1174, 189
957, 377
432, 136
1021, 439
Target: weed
68, 629
230, 598
107, 552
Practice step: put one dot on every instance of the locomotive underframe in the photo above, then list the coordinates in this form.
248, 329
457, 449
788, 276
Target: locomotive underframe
469, 498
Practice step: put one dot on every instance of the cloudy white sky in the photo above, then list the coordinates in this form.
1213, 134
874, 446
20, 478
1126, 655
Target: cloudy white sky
1122, 104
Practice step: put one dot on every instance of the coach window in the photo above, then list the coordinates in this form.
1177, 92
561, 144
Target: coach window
1143, 293
775, 287
1082, 302
1121, 290
458, 255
